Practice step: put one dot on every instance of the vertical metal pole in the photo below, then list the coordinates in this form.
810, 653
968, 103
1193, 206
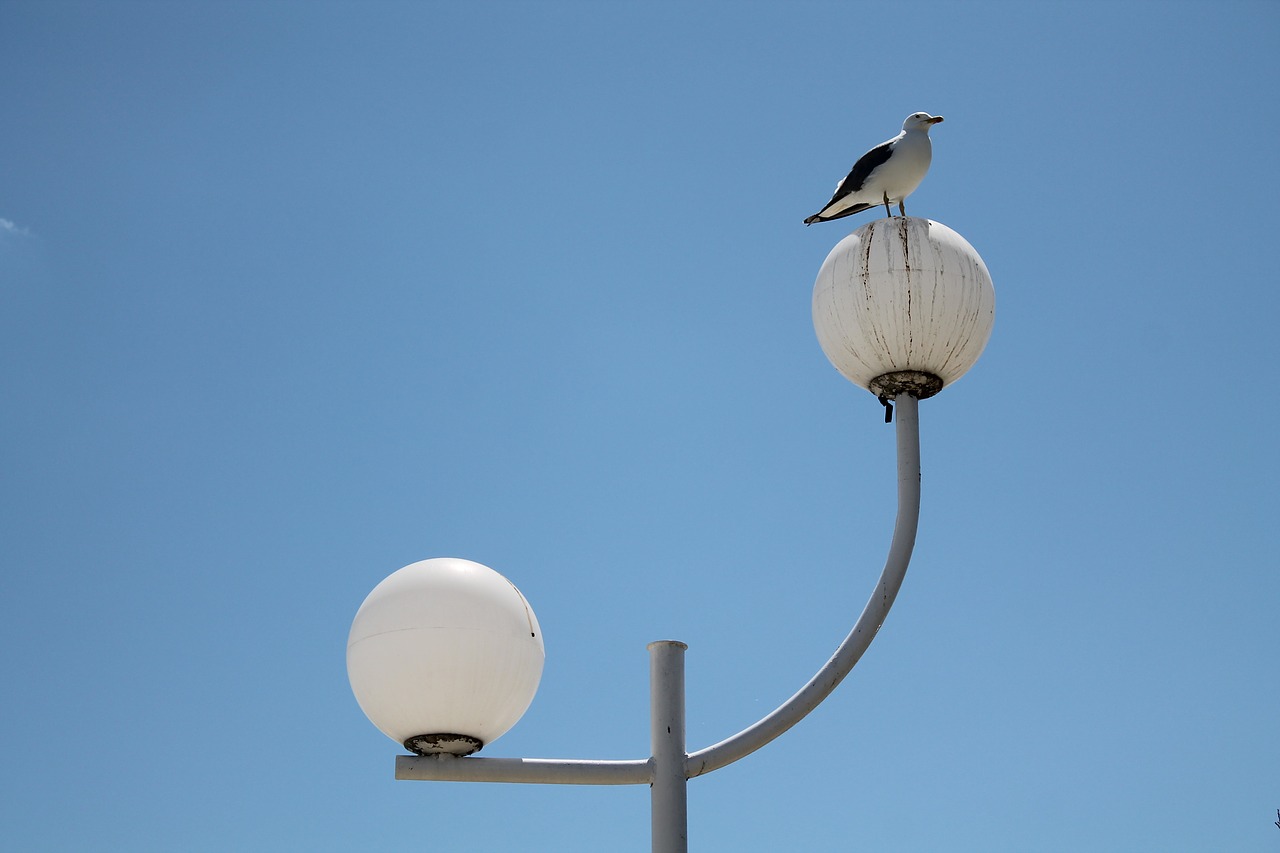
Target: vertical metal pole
669, 793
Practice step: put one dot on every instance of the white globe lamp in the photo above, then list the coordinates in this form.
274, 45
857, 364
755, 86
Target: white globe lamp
444, 656
903, 305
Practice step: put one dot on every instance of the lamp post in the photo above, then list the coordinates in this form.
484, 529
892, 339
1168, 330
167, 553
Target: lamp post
444, 656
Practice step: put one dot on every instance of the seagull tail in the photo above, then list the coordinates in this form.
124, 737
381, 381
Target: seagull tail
849, 211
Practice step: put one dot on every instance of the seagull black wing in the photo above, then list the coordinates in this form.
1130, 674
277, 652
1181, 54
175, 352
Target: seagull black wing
854, 181
862, 170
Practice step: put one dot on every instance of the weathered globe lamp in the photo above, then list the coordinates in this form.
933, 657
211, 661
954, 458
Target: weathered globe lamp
445, 655
903, 306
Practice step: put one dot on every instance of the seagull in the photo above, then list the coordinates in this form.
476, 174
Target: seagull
886, 174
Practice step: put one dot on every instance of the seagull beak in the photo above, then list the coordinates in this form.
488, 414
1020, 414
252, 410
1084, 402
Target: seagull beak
935, 119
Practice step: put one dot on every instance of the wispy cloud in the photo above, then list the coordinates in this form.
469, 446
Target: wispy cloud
8, 226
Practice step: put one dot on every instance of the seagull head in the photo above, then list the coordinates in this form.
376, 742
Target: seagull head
920, 121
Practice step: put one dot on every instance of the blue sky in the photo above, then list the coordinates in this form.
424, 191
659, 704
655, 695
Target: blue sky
294, 294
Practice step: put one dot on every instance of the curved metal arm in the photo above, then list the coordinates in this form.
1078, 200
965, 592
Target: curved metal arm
642, 771
873, 615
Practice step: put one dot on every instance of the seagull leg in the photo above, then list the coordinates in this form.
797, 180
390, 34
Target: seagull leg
902, 209
887, 211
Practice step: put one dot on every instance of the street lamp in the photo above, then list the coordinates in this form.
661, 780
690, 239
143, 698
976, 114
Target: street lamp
445, 655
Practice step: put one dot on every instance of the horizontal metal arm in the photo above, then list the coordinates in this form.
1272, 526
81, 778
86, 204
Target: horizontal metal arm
873, 615
451, 768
